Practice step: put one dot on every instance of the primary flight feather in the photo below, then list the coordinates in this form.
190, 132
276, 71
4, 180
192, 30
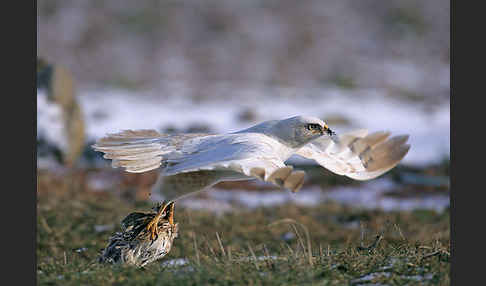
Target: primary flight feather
193, 162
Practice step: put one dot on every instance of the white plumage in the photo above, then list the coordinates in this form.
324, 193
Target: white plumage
193, 162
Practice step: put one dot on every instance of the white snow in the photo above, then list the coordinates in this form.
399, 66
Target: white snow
108, 111
370, 195
50, 121
175, 262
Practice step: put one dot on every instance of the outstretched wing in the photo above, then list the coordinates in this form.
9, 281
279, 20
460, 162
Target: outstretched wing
141, 150
357, 154
247, 154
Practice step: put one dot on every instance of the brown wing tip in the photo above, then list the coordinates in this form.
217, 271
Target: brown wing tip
295, 181
400, 139
386, 158
258, 172
280, 174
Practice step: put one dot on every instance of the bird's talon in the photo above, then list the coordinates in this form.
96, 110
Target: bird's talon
152, 226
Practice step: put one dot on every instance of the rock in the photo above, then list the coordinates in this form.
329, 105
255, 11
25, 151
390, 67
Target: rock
247, 115
59, 84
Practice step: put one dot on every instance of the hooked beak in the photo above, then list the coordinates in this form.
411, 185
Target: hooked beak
331, 134
328, 131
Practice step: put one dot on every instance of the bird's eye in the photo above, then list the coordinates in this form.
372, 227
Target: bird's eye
313, 126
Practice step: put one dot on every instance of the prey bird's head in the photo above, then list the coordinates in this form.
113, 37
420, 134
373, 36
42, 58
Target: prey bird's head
300, 130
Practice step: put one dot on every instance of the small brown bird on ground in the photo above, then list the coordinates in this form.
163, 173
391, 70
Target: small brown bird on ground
145, 237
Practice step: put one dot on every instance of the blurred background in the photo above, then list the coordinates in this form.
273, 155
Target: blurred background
219, 66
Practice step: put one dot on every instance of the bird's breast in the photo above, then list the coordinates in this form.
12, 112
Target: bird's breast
281, 150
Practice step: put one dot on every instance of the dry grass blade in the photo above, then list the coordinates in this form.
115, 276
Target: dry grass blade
294, 222
399, 231
299, 238
221, 245
291, 251
211, 250
432, 254
438, 252
373, 246
321, 253
254, 256
268, 258
195, 249
362, 230
45, 225
229, 253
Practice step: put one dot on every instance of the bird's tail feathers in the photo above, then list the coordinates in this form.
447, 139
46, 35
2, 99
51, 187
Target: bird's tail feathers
135, 150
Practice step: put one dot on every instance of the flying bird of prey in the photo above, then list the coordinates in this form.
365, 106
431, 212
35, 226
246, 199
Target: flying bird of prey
195, 161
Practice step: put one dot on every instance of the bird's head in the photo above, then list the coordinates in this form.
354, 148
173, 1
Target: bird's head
300, 130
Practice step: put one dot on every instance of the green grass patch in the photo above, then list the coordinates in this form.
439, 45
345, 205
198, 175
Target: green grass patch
286, 245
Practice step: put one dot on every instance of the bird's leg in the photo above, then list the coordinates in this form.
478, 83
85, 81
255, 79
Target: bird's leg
152, 225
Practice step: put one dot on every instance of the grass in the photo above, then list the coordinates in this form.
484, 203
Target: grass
328, 244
